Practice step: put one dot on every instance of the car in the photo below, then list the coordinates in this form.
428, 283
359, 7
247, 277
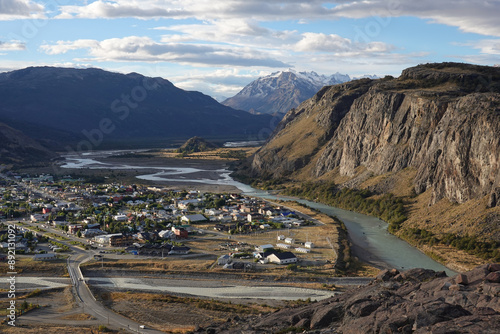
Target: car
142, 326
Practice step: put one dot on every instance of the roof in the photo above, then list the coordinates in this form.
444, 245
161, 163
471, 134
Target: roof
195, 218
285, 255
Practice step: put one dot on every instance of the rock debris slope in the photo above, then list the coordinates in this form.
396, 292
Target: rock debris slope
413, 301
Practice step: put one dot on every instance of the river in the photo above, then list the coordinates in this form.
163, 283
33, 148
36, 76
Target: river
368, 234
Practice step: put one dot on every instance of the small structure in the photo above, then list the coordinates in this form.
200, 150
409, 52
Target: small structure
282, 258
284, 246
179, 250
44, 257
289, 240
196, 218
263, 248
224, 259
309, 245
302, 250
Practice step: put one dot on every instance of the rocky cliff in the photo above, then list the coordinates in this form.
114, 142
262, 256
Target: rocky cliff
443, 120
413, 301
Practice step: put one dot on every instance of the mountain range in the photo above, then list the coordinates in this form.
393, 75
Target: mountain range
281, 91
431, 136
92, 108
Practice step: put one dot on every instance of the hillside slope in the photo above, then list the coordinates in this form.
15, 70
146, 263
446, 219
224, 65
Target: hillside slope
15, 147
66, 104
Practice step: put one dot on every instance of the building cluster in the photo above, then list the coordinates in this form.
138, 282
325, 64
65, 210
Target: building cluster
141, 220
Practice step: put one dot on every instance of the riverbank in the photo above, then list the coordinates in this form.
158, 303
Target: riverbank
369, 236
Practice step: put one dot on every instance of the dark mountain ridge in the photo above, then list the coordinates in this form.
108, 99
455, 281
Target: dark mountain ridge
93, 105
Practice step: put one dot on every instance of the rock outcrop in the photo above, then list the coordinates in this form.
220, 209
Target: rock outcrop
413, 301
441, 119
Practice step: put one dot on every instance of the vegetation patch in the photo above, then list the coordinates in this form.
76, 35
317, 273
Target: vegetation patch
387, 207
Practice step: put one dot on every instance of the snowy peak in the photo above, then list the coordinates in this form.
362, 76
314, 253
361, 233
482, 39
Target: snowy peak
280, 91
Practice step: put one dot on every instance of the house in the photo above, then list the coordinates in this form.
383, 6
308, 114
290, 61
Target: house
165, 234
45, 257
282, 258
196, 218
120, 240
224, 259
179, 250
184, 204
180, 232
120, 218
89, 233
263, 248
251, 217
289, 240
309, 245
73, 229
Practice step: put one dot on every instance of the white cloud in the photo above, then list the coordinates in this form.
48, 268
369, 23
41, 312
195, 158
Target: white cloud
486, 46
319, 42
473, 16
16, 9
12, 46
135, 48
200, 9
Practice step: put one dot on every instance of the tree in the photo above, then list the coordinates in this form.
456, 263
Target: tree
79, 234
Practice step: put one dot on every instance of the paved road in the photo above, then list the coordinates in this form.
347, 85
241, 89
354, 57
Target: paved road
89, 303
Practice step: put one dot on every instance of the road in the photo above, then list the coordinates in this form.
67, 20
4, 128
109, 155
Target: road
89, 303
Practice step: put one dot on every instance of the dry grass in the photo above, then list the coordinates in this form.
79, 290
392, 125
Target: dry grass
78, 316
52, 329
28, 267
208, 155
175, 314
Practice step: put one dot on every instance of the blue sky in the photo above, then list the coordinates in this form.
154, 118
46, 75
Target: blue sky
219, 46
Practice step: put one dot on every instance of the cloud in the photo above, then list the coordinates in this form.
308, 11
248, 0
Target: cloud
486, 46
135, 48
12, 46
473, 16
16, 9
319, 42
200, 9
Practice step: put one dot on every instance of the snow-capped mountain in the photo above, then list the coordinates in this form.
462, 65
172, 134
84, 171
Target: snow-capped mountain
279, 92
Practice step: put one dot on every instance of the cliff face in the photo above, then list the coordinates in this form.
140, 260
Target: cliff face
441, 119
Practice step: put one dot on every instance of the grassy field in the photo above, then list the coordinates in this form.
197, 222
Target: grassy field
26, 266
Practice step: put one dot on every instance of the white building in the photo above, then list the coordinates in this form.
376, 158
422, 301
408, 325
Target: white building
282, 258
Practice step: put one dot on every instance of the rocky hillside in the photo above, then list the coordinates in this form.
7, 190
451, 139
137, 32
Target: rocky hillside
196, 144
413, 301
15, 147
279, 92
442, 120
92, 107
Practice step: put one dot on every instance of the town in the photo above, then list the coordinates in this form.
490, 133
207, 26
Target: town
54, 213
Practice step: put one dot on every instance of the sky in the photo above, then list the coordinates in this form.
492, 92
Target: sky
219, 46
